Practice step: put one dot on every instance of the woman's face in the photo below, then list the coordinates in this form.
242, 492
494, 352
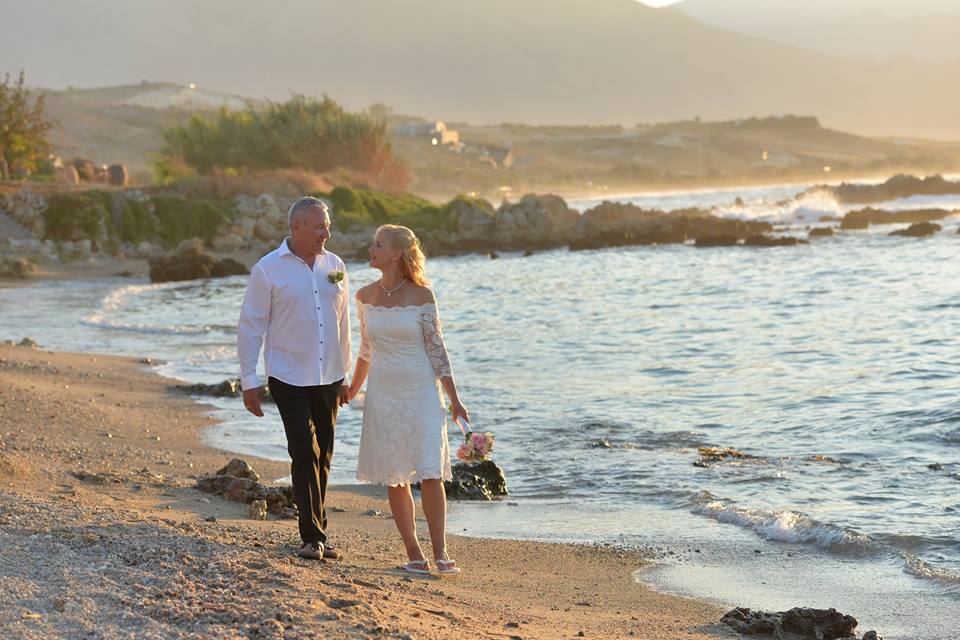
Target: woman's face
382, 253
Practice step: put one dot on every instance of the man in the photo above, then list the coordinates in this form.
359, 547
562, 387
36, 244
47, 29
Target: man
298, 298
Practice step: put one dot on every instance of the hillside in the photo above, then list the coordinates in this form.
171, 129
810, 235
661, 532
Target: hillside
108, 125
875, 29
536, 61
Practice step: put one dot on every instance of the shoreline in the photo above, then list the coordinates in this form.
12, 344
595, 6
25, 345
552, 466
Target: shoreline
99, 458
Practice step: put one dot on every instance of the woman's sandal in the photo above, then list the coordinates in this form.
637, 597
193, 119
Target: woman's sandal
447, 567
420, 567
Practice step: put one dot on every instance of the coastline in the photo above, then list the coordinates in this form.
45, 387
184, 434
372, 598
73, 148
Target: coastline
99, 458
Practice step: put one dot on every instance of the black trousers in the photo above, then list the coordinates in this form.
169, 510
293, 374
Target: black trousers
309, 416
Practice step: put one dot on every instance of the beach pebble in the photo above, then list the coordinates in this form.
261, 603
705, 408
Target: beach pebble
871, 635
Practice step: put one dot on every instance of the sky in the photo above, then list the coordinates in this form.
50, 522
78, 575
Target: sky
659, 3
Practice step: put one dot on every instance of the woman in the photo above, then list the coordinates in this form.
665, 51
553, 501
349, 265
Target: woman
404, 437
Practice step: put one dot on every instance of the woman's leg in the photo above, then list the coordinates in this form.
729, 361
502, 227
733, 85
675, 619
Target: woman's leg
404, 515
434, 500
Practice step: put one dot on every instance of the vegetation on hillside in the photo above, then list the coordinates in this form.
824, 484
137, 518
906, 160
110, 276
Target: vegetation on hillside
302, 133
103, 218
23, 129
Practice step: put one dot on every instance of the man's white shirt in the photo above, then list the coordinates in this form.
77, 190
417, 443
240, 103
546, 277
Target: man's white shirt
301, 319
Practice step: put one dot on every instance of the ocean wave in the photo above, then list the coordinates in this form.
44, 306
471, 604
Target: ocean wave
106, 316
919, 568
784, 526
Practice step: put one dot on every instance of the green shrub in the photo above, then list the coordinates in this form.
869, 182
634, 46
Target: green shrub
302, 133
75, 216
178, 218
137, 223
354, 208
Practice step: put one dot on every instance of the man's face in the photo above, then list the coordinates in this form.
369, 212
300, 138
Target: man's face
312, 230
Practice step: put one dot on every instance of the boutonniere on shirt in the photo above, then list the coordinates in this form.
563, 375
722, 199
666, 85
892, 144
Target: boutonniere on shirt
335, 277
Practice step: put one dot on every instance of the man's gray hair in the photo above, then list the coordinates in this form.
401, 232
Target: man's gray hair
298, 210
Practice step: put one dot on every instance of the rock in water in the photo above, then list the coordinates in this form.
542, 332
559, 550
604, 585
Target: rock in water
477, 481
800, 623
919, 230
238, 468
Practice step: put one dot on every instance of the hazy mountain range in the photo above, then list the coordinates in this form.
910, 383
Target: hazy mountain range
878, 29
536, 61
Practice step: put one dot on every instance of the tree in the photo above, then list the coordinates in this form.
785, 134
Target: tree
23, 128
302, 133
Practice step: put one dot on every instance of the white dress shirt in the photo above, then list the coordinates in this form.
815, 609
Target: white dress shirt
305, 318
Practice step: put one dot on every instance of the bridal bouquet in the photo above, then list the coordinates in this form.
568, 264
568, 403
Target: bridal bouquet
476, 447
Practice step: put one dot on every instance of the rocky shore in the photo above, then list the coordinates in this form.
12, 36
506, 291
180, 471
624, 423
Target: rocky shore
104, 534
185, 238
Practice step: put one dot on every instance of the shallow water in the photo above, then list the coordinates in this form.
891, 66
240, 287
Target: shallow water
834, 365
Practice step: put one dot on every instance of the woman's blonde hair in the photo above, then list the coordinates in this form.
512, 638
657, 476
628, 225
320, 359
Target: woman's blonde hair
412, 259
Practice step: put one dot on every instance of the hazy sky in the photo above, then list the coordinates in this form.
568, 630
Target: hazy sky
658, 3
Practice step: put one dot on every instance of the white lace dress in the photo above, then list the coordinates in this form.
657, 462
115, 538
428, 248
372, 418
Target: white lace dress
404, 438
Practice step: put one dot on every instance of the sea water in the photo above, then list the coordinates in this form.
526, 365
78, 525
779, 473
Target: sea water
834, 367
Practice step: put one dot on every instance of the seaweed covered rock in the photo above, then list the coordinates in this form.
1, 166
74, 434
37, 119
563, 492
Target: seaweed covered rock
477, 481
881, 216
899, 186
762, 240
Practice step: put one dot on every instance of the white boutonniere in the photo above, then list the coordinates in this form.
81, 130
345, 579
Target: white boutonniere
335, 277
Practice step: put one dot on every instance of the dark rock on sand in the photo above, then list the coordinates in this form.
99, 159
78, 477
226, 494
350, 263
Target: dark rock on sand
919, 230
880, 216
761, 240
20, 268
279, 500
871, 635
238, 468
28, 342
190, 262
800, 623
821, 232
477, 481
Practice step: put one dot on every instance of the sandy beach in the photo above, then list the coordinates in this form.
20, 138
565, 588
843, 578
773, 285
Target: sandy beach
103, 535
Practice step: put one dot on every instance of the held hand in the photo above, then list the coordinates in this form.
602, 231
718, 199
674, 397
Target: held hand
458, 410
345, 396
251, 400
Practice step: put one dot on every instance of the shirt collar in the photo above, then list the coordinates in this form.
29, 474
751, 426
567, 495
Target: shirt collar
284, 250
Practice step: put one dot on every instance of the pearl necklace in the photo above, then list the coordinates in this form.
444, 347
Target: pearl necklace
390, 292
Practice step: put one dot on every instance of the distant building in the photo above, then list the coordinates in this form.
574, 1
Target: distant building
498, 157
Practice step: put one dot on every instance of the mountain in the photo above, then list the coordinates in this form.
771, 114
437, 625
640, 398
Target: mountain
871, 29
535, 61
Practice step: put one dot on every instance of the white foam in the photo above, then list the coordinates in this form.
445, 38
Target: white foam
785, 526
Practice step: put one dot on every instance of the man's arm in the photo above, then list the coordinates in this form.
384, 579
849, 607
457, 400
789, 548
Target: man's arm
254, 318
345, 347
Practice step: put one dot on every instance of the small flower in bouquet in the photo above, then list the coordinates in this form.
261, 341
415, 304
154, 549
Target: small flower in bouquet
335, 277
476, 447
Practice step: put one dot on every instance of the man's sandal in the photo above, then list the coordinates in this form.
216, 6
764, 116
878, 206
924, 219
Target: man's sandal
420, 567
447, 567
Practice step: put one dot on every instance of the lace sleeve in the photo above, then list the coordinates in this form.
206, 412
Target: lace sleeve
433, 342
364, 337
